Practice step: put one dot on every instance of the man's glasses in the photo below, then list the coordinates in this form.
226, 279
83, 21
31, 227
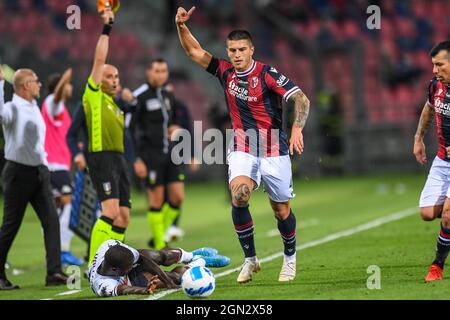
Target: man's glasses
37, 81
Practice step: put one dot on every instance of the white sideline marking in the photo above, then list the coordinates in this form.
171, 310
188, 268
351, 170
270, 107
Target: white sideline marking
341, 234
65, 293
68, 292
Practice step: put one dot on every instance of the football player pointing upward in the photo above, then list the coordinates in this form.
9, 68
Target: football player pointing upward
253, 93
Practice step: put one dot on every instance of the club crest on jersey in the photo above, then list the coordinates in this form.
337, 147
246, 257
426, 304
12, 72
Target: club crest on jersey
254, 82
107, 188
152, 176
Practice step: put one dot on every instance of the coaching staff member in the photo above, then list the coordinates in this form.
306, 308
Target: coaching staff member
26, 178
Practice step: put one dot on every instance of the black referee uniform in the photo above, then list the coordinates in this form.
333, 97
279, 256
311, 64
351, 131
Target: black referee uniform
26, 179
154, 113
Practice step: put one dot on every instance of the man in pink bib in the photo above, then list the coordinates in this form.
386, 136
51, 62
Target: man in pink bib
57, 120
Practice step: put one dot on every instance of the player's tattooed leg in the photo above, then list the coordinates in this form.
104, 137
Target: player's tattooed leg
241, 194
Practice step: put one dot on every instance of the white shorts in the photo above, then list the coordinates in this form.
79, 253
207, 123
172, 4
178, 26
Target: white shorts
437, 186
275, 172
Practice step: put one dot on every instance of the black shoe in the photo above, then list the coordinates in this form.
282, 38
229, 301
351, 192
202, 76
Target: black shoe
6, 285
56, 279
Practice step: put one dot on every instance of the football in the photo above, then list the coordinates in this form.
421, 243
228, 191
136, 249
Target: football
198, 282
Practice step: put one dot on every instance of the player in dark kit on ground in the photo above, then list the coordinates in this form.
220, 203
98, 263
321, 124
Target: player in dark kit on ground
434, 200
259, 150
152, 124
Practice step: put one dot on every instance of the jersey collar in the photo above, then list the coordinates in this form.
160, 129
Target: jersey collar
248, 71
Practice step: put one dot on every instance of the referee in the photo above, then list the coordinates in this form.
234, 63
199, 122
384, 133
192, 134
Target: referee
106, 162
152, 124
26, 178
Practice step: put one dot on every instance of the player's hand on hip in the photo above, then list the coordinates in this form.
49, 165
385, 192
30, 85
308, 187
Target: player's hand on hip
140, 169
2, 76
447, 149
419, 152
296, 141
183, 15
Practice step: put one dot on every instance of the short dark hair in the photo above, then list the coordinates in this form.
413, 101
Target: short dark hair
444, 45
156, 60
52, 82
240, 35
119, 257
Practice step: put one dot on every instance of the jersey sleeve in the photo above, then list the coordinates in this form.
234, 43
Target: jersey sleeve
431, 91
217, 67
105, 287
280, 84
92, 94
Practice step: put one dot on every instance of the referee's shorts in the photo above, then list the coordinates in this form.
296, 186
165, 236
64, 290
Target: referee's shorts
109, 173
161, 169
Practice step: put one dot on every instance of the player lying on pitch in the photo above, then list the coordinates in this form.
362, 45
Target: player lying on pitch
118, 269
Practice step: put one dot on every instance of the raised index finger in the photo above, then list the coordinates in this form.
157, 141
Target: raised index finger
190, 11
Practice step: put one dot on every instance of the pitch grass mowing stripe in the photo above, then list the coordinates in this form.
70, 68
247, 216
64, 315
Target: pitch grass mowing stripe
345, 233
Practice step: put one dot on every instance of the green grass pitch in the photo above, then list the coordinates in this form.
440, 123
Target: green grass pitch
337, 269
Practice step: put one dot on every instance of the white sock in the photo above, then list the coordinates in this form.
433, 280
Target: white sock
251, 259
65, 232
186, 256
292, 258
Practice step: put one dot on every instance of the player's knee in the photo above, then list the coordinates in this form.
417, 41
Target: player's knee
124, 219
176, 201
240, 195
446, 215
281, 213
156, 202
427, 215
67, 199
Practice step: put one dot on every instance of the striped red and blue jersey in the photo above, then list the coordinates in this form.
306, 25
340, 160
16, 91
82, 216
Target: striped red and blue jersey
439, 99
254, 100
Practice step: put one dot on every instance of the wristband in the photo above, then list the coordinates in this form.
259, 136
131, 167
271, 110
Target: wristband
106, 29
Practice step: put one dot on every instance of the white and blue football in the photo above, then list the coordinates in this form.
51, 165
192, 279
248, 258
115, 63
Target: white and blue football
198, 282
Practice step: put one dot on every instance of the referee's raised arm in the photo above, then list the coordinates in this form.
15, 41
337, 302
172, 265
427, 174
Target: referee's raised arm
101, 51
190, 45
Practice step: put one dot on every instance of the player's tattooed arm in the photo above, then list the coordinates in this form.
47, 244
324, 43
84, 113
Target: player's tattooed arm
301, 108
426, 118
301, 115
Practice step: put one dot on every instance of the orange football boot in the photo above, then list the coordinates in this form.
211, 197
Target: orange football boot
435, 273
